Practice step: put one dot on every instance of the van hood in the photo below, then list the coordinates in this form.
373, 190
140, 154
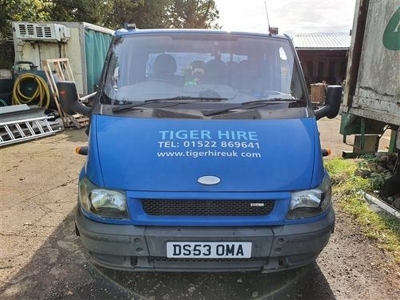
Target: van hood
203, 155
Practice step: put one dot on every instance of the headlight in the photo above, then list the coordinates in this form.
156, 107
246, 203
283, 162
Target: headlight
102, 202
308, 203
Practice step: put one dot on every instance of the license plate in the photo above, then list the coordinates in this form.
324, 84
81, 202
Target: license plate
209, 249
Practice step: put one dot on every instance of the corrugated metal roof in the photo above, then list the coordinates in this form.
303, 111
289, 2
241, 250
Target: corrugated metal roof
322, 41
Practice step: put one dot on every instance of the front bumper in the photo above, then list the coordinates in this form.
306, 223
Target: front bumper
143, 248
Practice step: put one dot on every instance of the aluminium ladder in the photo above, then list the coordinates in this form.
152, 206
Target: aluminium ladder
19, 123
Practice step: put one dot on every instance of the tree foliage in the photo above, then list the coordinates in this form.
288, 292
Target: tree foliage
109, 13
192, 14
112, 13
165, 13
90, 11
21, 10
148, 14
175, 14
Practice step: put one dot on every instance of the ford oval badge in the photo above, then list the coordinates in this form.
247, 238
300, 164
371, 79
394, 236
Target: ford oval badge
208, 180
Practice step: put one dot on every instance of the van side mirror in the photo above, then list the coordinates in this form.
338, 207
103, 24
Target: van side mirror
69, 99
332, 103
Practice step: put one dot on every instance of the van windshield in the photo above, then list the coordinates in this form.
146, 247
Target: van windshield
220, 67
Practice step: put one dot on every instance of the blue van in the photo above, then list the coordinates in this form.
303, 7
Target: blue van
203, 155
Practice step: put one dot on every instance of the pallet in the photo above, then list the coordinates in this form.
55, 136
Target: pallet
59, 69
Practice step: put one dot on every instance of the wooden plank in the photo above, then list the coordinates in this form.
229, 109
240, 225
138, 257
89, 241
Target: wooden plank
62, 68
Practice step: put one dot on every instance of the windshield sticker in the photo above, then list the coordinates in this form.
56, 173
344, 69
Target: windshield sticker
205, 143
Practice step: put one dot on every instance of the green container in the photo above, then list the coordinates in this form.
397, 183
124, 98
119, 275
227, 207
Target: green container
6, 86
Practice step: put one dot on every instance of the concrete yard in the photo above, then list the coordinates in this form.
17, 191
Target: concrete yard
41, 258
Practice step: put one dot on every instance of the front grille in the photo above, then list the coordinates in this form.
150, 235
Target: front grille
190, 207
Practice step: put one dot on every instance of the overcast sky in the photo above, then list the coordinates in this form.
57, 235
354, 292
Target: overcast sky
290, 16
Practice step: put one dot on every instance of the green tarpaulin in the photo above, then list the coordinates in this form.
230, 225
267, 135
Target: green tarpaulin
96, 47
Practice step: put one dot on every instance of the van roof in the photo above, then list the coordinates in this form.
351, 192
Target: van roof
135, 31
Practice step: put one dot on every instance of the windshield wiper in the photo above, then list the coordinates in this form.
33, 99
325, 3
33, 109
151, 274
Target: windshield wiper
250, 105
180, 99
188, 98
